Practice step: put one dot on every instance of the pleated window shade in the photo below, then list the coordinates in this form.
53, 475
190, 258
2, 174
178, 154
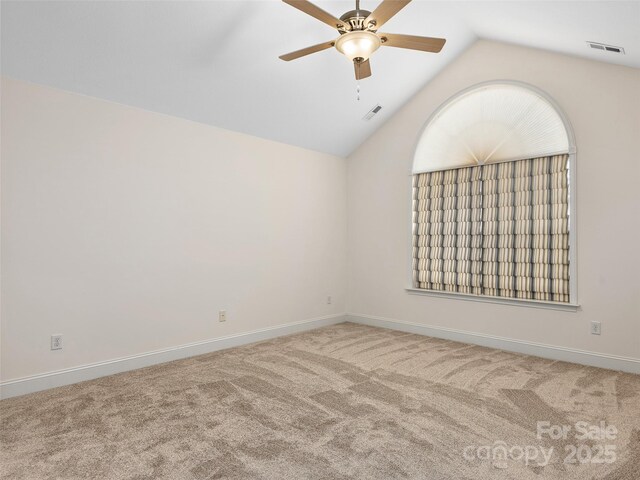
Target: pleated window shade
498, 229
492, 123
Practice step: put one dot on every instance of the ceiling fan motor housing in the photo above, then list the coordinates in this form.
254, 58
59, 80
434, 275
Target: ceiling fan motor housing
355, 20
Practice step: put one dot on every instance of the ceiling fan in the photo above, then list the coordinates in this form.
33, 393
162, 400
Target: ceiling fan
359, 36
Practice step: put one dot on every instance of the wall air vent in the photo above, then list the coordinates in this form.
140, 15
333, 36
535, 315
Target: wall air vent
606, 48
371, 113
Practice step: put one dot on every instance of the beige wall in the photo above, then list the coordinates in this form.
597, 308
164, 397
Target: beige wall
126, 231
603, 104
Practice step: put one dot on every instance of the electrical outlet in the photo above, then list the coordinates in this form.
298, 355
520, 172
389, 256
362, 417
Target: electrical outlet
222, 316
56, 342
596, 328
328, 300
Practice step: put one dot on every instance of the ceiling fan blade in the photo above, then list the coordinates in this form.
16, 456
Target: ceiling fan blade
363, 69
307, 51
384, 11
426, 44
316, 12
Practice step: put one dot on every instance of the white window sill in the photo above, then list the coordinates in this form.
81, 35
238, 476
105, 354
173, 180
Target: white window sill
520, 302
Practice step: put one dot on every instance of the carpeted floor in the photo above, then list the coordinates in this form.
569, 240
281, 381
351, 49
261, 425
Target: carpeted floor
346, 401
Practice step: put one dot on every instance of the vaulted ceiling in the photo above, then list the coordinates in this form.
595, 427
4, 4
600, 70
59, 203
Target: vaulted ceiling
217, 62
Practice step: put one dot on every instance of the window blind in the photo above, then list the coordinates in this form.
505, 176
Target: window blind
498, 229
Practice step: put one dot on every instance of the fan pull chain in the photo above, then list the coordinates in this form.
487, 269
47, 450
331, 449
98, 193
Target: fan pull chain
358, 91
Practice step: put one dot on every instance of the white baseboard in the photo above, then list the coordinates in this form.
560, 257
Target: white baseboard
593, 359
35, 383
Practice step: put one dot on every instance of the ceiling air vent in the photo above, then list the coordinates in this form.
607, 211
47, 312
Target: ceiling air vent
606, 48
371, 113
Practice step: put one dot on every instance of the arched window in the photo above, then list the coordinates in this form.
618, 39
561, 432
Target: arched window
492, 210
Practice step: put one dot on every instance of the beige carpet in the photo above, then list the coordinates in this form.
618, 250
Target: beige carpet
346, 401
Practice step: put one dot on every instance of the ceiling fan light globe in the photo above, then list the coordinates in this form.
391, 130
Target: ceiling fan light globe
358, 44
